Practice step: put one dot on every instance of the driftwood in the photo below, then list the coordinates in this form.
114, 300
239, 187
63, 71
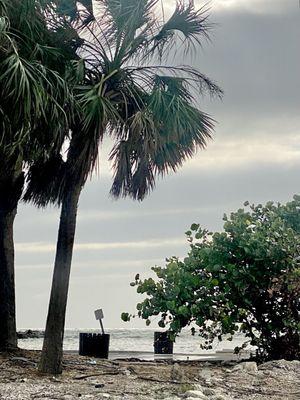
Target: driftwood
123, 392
81, 377
146, 378
263, 391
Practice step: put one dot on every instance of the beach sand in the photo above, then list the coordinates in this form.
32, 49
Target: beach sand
88, 378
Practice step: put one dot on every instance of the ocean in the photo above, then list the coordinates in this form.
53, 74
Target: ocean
133, 341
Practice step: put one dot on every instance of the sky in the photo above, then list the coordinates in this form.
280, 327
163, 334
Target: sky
254, 155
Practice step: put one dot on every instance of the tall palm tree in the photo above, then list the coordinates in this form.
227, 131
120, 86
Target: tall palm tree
123, 87
33, 123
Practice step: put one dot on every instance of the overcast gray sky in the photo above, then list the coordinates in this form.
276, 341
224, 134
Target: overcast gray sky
255, 156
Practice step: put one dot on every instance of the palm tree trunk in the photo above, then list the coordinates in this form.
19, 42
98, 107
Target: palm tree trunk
8, 335
51, 359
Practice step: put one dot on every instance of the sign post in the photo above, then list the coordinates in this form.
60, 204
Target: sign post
99, 316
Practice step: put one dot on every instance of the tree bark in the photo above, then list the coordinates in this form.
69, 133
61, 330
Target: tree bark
11, 187
51, 359
8, 335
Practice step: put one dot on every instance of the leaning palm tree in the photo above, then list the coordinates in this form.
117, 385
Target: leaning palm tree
123, 87
33, 124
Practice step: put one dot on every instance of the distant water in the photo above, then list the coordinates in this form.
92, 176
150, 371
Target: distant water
138, 340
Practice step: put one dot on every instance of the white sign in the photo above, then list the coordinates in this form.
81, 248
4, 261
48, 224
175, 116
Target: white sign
99, 314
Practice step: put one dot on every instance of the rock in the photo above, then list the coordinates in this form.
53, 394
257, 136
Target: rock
99, 385
125, 371
205, 374
54, 379
195, 394
219, 397
209, 392
197, 398
105, 395
198, 387
30, 334
281, 364
23, 360
177, 373
249, 366
216, 381
173, 398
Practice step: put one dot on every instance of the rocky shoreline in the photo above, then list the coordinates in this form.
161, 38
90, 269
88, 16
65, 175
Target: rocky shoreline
129, 379
30, 334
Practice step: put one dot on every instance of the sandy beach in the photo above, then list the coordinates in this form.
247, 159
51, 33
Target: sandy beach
89, 378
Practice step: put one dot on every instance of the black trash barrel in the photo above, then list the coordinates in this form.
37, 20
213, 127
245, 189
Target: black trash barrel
162, 343
94, 345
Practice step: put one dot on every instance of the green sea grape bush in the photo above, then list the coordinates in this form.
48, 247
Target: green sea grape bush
244, 279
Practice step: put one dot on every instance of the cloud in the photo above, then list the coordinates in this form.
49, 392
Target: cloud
37, 247
93, 215
251, 6
81, 268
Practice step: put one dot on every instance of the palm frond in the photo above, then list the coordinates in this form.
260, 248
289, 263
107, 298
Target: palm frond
44, 181
126, 16
192, 77
120, 156
159, 140
188, 25
34, 95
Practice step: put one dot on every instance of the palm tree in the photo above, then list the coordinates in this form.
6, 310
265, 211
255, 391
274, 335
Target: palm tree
124, 88
33, 124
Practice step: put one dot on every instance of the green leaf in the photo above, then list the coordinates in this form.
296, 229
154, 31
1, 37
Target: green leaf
195, 227
125, 317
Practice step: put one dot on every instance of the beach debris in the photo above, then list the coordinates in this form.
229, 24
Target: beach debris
203, 397
125, 371
99, 385
205, 376
148, 381
209, 391
249, 366
109, 372
177, 373
172, 398
23, 360
54, 379
281, 364
220, 397
195, 394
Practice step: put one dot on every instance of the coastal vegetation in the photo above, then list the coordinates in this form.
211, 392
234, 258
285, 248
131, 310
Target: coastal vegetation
244, 279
